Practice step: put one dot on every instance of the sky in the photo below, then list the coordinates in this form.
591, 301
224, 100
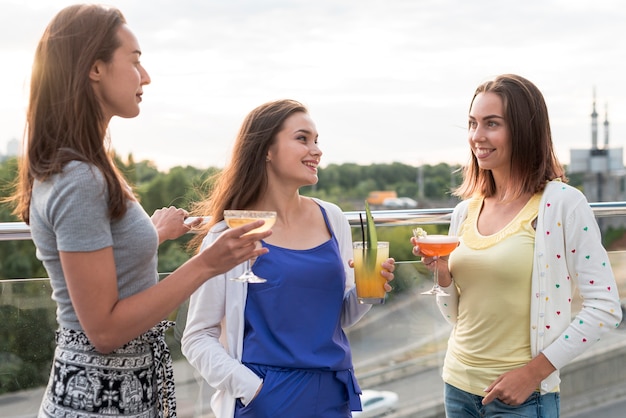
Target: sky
384, 80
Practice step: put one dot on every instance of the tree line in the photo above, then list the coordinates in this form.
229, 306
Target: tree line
347, 185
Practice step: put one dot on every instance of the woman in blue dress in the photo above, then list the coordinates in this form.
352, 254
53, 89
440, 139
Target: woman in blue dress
278, 349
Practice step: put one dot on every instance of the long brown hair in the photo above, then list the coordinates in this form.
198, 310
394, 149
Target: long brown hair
533, 160
64, 118
244, 179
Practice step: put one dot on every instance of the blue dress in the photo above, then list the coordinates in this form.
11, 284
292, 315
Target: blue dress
293, 337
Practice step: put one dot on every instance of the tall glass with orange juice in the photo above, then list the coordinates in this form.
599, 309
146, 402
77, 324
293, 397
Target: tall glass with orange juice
369, 281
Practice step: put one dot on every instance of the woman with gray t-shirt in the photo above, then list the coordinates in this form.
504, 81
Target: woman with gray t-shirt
96, 242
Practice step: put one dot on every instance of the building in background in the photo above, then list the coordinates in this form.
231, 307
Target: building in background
602, 166
13, 149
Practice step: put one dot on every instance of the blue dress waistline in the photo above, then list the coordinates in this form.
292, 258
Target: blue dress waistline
347, 377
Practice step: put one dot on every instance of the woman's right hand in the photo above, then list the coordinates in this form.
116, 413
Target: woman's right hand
431, 263
233, 247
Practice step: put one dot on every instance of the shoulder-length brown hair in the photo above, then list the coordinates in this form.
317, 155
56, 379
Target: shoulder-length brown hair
64, 118
242, 182
533, 160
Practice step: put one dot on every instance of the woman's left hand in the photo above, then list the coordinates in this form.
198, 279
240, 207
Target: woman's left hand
515, 386
170, 223
389, 265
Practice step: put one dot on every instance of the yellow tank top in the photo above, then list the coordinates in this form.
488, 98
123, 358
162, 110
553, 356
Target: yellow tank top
493, 274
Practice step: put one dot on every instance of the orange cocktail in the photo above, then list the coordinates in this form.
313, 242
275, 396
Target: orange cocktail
369, 281
436, 246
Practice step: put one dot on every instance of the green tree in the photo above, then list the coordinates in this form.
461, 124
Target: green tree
8, 174
26, 343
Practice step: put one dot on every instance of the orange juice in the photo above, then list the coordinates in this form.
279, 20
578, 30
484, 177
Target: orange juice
369, 283
437, 245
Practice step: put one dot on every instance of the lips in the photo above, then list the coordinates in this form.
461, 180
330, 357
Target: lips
483, 152
311, 164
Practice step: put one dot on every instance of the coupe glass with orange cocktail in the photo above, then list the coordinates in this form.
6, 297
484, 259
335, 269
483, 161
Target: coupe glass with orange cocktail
436, 246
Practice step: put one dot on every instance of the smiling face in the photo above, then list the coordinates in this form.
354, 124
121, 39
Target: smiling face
294, 154
488, 134
118, 84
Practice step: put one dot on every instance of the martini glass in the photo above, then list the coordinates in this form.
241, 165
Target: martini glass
436, 246
235, 218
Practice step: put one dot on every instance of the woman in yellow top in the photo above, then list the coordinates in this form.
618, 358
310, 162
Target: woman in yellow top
525, 237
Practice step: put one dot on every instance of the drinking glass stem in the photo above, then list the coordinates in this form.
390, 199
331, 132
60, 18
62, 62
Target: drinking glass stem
436, 275
248, 268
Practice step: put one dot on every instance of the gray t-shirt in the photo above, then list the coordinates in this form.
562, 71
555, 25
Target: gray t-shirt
69, 212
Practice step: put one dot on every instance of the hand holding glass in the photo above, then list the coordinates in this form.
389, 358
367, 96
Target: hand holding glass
236, 218
370, 284
436, 246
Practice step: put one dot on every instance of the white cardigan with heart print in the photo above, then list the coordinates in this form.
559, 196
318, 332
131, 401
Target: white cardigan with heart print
568, 252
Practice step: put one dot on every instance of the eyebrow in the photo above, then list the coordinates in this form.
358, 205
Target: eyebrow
305, 131
488, 117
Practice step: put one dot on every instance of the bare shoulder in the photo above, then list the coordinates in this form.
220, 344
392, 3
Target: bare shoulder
315, 204
311, 209
306, 230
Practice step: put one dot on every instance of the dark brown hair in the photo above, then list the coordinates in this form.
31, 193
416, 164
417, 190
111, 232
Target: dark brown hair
64, 118
244, 179
533, 160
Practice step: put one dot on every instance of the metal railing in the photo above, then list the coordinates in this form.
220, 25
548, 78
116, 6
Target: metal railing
10, 231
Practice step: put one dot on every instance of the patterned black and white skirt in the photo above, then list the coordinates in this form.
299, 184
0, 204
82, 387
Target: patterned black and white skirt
136, 380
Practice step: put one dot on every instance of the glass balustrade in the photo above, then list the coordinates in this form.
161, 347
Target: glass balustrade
397, 346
